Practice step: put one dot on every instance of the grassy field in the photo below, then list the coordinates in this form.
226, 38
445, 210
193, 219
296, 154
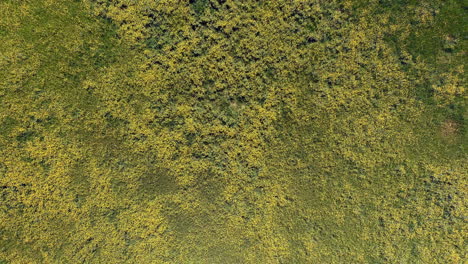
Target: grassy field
233, 131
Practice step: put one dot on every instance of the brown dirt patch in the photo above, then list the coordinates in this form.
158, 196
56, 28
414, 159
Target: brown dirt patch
449, 128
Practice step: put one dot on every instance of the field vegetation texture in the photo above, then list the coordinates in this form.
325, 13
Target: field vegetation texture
222, 131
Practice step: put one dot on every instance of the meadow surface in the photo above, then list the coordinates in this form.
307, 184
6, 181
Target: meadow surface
221, 131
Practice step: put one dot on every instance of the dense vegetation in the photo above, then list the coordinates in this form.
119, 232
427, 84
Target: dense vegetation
220, 131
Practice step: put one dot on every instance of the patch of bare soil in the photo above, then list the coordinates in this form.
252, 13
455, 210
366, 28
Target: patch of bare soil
449, 129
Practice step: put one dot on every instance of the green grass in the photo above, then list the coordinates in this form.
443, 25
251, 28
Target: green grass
248, 146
